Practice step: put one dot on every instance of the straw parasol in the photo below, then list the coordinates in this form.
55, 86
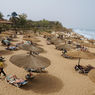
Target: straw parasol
29, 35
30, 61
91, 75
31, 39
58, 41
53, 40
64, 46
5, 52
80, 54
3, 35
8, 33
32, 48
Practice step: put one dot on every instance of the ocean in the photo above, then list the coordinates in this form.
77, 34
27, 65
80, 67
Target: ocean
90, 34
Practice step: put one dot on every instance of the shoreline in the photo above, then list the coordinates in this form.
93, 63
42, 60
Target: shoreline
89, 34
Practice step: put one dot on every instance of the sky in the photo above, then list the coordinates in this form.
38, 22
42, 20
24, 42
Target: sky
71, 13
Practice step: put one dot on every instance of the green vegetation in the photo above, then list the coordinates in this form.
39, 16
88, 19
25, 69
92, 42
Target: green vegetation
1, 15
20, 22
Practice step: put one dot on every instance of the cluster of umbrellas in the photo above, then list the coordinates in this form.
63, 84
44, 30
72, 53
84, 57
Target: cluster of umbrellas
28, 61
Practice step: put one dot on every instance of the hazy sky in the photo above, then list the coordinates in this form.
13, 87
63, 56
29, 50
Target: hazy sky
72, 13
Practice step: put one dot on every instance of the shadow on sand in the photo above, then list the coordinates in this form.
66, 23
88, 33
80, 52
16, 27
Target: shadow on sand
44, 84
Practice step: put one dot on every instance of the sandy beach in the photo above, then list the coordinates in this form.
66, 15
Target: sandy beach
61, 78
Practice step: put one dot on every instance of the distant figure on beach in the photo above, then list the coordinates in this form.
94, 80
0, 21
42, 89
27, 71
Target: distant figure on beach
1, 68
83, 49
64, 52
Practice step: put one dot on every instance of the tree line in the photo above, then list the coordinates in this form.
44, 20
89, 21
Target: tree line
20, 22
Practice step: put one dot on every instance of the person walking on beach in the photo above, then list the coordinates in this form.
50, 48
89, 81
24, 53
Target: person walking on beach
1, 69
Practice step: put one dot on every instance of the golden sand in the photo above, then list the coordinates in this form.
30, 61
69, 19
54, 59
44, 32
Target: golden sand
61, 79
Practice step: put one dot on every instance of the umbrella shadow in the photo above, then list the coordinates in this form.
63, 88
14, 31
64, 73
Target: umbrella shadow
5, 65
41, 72
5, 52
44, 84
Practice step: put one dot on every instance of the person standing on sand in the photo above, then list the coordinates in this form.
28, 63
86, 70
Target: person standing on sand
1, 68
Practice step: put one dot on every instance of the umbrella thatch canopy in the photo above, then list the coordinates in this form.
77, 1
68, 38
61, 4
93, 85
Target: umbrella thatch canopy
29, 61
31, 39
31, 48
80, 54
45, 33
8, 33
91, 75
55, 40
58, 41
64, 46
3, 35
29, 35
5, 52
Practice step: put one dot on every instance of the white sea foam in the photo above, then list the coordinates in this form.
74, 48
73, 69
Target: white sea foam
90, 34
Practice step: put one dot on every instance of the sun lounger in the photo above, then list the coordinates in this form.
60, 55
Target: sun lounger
12, 48
39, 70
2, 59
83, 69
12, 79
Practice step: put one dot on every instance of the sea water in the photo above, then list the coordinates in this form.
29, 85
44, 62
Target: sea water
90, 34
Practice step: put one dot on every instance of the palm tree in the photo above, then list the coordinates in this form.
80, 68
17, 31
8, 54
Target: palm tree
14, 19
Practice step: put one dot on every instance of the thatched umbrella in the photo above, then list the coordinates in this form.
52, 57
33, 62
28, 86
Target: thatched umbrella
91, 75
8, 33
64, 46
80, 54
31, 39
58, 41
32, 48
29, 35
3, 35
55, 40
5, 52
29, 61
46, 34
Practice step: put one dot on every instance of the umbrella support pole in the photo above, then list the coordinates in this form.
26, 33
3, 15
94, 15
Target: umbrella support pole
79, 61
